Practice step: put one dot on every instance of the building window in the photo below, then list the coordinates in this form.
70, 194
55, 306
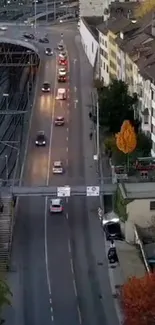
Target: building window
146, 119
112, 40
152, 205
107, 69
105, 44
92, 47
113, 54
101, 51
104, 65
113, 65
153, 129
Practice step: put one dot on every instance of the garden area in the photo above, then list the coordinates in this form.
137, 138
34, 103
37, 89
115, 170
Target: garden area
128, 148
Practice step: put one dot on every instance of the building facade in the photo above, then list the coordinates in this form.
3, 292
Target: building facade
103, 58
89, 42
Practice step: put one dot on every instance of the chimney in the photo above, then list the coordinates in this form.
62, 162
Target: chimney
153, 24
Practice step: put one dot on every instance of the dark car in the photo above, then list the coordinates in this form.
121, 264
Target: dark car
61, 78
48, 51
112, 255
60, 47
28, 36
113, 230
40, 139
44, 40
46, 87
59, 121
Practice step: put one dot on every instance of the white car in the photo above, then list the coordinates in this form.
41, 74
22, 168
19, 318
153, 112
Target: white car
3, 28
62, 72
56, 206
57, 167
61, 94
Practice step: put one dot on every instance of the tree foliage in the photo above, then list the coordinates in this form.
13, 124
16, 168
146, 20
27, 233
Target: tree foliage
144, 7
138, 297
126, 139
5, 295
116, 105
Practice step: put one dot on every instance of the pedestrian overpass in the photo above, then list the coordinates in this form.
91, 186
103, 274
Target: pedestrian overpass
59, 191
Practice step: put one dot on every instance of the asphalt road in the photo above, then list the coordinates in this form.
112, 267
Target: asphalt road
55, 280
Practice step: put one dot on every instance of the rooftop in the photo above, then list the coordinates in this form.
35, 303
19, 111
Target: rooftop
92, 23
126, 9
130, 261
138, 190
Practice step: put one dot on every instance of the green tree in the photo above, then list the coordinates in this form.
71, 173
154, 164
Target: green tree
116, 105
5, 295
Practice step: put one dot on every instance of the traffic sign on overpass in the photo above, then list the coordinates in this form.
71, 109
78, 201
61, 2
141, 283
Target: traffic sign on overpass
61, 191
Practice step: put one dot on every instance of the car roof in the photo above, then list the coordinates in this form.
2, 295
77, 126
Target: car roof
59, 118
55, 201
61, 90
41, 133
62, 68
46, 82
57, 162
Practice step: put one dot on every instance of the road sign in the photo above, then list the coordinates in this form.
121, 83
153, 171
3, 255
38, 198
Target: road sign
63, 191
93, 190
100, 212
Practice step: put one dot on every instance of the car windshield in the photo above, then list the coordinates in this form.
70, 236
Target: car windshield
41, 137
46, 85
113, 228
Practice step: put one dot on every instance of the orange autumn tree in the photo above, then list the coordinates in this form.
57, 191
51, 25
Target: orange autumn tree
138, 298
126, 140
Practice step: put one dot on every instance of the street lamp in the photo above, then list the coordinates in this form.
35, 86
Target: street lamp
6, 96
6, 165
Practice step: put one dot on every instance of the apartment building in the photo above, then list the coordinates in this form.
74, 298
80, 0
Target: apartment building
131, 57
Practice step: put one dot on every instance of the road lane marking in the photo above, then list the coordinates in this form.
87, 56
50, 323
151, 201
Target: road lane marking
67, 215
72, 269
51, 131
46, 249
79, 314
46, 199
66, 138
69, 246
67, 149
68, 104
74, 285
66, 199
67, 129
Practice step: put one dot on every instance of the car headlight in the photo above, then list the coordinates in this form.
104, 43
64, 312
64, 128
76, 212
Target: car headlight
43, 142
36, 142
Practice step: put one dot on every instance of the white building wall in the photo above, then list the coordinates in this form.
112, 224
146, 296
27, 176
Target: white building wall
89, 43
139, 212
103, 58
153, 118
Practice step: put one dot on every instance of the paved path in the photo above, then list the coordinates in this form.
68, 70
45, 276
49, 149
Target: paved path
97, 237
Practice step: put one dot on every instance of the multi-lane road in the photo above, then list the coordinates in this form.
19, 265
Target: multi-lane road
54, 280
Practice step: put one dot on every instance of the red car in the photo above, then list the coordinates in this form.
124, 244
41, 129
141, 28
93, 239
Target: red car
62, 62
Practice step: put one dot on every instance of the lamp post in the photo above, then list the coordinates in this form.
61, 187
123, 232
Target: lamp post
6, 166
35, 16
6, 96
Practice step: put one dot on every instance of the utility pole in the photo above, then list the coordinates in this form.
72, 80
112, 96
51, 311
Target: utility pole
46, 11
98, 131
35, 16
54, 9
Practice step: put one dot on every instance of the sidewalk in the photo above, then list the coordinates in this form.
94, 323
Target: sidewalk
105, 302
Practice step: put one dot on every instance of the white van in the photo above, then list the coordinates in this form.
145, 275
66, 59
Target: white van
61, 94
